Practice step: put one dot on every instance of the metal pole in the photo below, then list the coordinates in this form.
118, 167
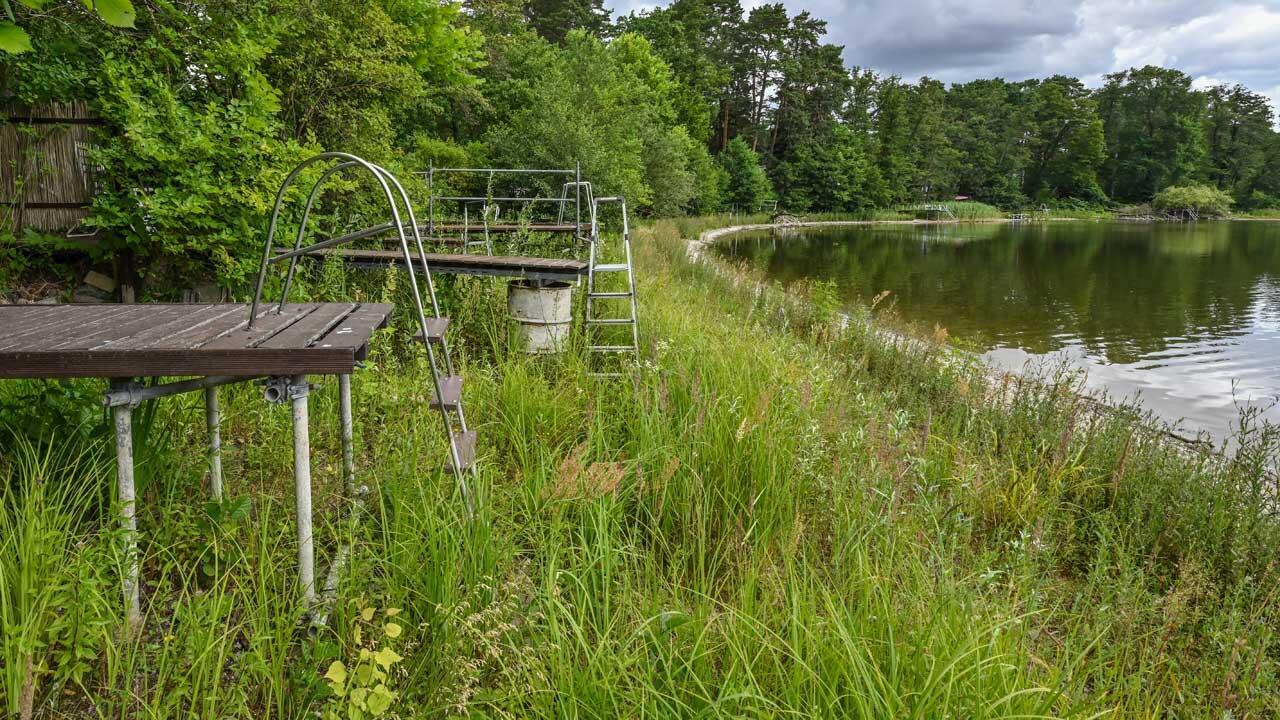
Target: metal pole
348, 442
302, 490
128, 522
131, 394
213, 421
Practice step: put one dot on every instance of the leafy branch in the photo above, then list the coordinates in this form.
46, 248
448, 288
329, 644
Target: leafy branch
15, 40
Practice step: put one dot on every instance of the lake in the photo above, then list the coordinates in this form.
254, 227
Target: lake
1186, 317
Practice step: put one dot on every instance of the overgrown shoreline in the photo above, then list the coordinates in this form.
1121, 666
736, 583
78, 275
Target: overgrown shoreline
775, 513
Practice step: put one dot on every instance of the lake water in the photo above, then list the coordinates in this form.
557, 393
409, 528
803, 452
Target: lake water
1186, 317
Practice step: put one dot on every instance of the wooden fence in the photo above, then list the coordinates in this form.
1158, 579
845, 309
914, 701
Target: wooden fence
46, 179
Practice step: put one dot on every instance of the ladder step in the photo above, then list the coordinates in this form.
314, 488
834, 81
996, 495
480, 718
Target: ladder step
436, 328
609, 295
466, 444
611, 267
451, 393
609, 321
612, 348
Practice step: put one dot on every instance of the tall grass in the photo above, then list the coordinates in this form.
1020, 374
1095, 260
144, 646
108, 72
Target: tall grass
773, 514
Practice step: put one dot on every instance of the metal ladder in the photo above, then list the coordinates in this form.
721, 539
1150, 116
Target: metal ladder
599, 327
446, 385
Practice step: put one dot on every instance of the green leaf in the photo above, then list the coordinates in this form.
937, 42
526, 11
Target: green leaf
386, 657
13, 39
116, 13
34, 4
392, 630
379, 700
337, 676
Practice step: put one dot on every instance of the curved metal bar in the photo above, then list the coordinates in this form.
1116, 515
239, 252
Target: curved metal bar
302, 226
382, 176
275, 219
426, 273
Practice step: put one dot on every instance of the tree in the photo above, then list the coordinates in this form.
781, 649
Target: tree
607, 106
363, 75
1065, 142
748, 184
555, 19
1238, 133
1154, 136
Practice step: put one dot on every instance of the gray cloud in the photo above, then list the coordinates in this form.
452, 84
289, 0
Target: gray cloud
1214, 41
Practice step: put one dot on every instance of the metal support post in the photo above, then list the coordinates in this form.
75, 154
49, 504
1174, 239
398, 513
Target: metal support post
123, 415
348, 441
213, 421
295, 390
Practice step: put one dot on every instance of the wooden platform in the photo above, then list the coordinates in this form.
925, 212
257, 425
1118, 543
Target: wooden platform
48, 341
565, 269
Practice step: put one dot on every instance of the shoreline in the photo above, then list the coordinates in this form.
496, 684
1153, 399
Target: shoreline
696, 253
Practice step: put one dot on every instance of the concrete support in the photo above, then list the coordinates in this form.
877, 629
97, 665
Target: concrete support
302, 490
213, 422
128, 522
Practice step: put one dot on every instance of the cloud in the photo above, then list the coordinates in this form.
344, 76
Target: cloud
1213, 41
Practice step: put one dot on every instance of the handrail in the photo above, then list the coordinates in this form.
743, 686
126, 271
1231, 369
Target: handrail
533, 171
383, 176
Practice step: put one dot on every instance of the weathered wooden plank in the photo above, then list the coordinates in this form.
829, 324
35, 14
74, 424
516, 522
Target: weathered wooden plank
197, 317
235, 362
266, 326
354, 331
228, 318
106, 330
69, 323
183, 340
306, 331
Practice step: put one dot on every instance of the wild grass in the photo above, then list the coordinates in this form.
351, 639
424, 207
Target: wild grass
773, 514
1259, 214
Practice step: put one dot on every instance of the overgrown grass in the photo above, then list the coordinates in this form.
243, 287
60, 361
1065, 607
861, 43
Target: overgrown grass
774, 514
1259, 214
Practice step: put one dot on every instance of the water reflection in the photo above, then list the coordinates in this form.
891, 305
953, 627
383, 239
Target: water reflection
1186, 315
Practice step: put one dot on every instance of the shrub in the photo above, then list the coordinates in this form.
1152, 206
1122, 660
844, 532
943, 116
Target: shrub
1201, 199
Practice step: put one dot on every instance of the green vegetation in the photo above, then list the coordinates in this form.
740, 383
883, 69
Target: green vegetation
695, 107
857, 527
1200, 199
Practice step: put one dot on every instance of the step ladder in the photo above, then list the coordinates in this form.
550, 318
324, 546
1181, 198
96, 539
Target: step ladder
432, 327
608, 332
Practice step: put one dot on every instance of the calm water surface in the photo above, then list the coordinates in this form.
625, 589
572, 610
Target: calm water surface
1186, 317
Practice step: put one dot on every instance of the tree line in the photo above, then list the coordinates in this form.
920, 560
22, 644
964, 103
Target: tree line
695, 107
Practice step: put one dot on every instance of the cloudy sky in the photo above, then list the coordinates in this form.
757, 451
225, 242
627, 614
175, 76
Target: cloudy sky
954, 40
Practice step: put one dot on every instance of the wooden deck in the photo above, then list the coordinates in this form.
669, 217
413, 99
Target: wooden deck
62, 341
565, 269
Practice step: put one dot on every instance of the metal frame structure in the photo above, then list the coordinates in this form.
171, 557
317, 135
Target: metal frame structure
595, 294
577, 184
446, 385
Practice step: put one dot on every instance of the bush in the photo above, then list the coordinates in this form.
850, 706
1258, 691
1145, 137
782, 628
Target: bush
1201, 199
748, 185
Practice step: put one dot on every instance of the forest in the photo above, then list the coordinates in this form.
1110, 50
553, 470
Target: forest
696, 107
